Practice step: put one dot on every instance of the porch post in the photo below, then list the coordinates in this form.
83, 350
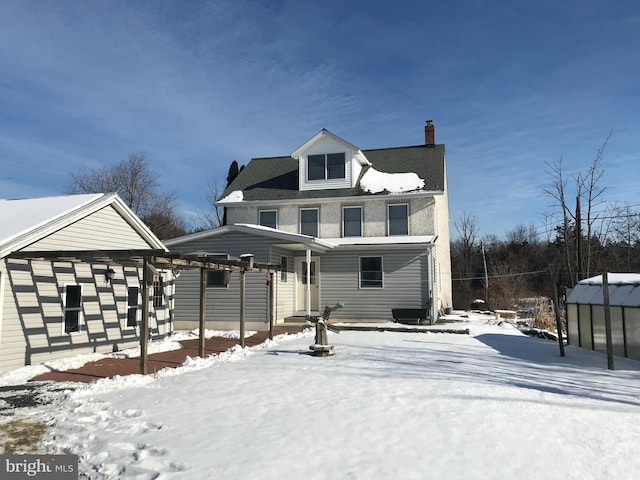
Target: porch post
430, 273
202, 313
144, 324
308, 291
242, 301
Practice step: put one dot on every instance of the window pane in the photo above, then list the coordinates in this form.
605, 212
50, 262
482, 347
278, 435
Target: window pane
398, 220
71, 321
315, 167
309, 222
158, 292
268, 218
312, 271
371, 272
74, 296
132, 317
284, 263
132, 296
215, 278
335, 165
352, 222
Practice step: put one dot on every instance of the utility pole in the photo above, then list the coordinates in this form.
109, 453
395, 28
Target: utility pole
486, 276
556, 308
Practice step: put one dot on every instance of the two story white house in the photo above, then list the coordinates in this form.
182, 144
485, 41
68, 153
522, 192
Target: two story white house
367, 228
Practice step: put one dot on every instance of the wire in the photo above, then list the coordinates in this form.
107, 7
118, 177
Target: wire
500, 276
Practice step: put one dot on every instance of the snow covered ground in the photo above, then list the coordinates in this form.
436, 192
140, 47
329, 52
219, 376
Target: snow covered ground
492, 404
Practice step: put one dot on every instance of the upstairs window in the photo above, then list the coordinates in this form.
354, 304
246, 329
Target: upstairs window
352, 222
268, 218
309, 221
72, 308
326, 166
398, 216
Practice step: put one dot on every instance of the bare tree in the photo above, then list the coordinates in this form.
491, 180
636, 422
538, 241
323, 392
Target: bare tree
462, 252
214, 217
589, 182
556, 191
137, 185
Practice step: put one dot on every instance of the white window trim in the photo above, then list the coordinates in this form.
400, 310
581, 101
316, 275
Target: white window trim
326, 167
78, 309
317, 220
389, 219
260, 212
360, 287
361, 220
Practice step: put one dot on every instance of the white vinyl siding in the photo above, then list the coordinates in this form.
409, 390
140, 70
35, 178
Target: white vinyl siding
102, 230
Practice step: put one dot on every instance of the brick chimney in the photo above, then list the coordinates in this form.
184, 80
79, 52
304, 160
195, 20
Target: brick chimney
429, 133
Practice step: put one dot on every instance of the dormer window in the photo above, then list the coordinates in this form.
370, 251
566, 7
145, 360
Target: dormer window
326, 166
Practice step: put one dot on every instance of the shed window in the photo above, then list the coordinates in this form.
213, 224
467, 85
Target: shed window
133, 304
158, 291
72, 308
371, 273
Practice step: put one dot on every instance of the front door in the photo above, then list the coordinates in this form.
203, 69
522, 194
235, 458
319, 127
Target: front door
301, 284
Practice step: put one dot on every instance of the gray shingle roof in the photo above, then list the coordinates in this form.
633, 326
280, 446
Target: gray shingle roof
276, 178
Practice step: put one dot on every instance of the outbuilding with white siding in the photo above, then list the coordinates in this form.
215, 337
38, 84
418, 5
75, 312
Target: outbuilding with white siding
65, 287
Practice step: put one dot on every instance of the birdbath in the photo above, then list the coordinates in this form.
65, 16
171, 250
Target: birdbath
321, 348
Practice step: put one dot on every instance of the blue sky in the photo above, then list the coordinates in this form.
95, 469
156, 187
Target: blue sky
510, 86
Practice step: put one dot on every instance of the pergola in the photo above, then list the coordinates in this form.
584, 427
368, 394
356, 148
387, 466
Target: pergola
149, 261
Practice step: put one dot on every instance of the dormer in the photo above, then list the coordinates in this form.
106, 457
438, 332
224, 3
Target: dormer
326, 161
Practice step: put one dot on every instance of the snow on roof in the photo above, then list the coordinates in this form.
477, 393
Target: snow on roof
374, 181
235, 196
624, 290
17, 217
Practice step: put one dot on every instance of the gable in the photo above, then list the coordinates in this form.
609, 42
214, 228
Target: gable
104, 229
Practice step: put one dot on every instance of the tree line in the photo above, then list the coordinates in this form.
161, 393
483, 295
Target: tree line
139, 187
582, 236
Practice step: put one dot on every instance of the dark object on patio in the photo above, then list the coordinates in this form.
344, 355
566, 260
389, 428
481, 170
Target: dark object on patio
321, 348
410, 315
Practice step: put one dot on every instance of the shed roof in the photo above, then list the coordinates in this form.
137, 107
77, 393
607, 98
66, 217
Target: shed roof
624, 290
24, 221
